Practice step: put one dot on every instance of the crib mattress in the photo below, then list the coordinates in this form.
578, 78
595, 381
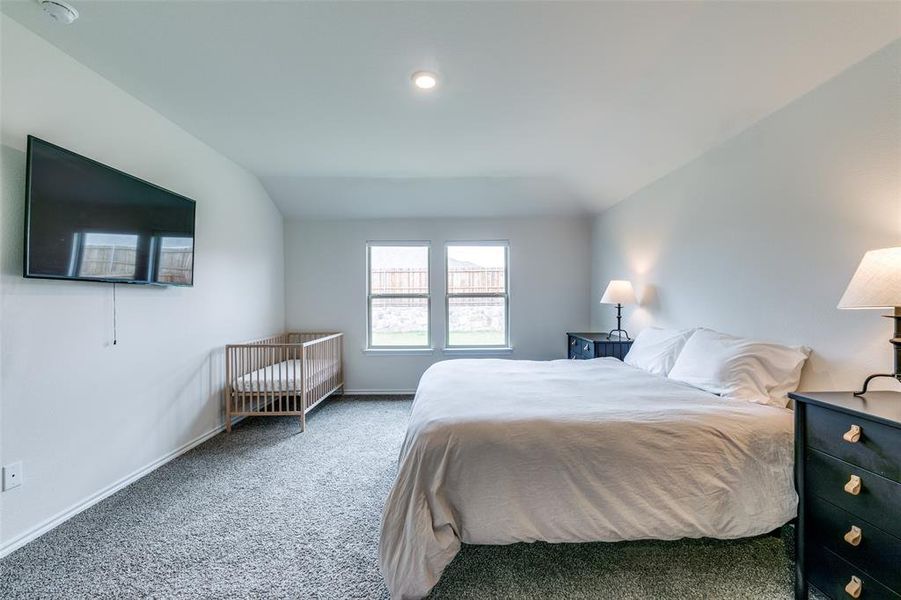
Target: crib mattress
285, 376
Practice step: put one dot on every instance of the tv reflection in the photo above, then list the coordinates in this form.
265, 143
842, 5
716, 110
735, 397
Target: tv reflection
157, 258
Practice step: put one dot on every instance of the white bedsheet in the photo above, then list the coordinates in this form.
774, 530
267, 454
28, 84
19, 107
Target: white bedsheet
503, 451
280, 377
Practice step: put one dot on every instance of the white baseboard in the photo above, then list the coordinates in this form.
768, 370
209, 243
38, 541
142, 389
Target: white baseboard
82, 505
66, 514
379, 392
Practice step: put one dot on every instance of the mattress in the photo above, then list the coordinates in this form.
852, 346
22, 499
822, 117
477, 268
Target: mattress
501, 451
285, 376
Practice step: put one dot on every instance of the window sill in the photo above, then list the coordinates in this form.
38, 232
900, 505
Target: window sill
398, 351
478, 351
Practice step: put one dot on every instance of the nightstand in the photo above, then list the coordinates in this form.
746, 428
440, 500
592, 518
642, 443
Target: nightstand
848, 475
595, 345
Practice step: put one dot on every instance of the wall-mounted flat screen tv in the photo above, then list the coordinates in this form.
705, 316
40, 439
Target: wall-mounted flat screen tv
89, 222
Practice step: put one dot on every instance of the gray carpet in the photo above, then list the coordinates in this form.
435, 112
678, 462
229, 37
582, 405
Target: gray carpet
269, 513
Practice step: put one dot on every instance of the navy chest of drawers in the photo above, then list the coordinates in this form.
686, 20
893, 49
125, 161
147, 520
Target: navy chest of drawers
848, 475
581, 346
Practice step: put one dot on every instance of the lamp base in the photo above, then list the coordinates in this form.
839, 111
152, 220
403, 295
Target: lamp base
896, 342
867, 381
619, 325
619, 333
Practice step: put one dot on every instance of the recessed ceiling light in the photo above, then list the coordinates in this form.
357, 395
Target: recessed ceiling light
424, 80
60, 11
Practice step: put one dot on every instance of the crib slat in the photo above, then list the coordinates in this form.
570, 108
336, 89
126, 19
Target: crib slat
303, 387
227, 393
292, 399
264, 376
282, 378
251, 366
248, 387
260, 378
239, 369
248, 383
247, 370
270, 366
273, 381
279, 382
256, 362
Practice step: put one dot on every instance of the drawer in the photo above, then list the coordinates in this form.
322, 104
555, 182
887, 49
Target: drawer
877, 553
614, 349
878, 502
575, 349
585, 348
878, 449
830, 574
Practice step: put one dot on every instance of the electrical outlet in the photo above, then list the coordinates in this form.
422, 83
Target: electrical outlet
12, 476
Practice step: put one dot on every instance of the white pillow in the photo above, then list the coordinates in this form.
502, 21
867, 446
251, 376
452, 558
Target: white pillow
655, 350
740, 368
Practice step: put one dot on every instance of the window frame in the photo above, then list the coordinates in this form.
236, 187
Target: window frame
428, 347
505, 244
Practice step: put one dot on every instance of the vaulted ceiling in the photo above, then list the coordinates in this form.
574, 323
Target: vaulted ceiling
541, 107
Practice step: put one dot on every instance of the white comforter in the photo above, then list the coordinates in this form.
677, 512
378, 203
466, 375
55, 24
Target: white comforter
502, 451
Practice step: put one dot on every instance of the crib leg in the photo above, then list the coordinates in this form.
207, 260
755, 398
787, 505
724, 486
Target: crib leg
228, 424
303, 423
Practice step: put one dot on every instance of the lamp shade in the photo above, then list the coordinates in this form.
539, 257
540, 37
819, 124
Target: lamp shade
877, 281
619, 291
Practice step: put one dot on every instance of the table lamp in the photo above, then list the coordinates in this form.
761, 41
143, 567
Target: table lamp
619, 292
877, 284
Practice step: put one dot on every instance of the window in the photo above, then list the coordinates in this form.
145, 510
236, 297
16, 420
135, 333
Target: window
398, 295
478, 299
107, 255
175, 260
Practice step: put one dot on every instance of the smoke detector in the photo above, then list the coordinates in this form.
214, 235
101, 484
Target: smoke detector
59, 11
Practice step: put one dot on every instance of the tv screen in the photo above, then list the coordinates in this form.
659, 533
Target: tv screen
90, 222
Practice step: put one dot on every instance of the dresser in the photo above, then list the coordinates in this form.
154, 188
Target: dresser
595, 345
848, 475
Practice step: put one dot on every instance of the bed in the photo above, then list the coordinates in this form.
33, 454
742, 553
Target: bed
503, 451
283, 375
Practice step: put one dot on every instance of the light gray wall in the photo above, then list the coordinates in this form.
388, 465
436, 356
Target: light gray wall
760, 236
80, 413
326, 286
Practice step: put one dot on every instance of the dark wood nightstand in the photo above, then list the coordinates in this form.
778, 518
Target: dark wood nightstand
595, 345
848, 475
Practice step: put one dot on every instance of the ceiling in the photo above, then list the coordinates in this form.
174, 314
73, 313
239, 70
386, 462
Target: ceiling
542, 107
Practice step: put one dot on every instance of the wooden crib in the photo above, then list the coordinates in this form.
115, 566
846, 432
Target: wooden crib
286, 374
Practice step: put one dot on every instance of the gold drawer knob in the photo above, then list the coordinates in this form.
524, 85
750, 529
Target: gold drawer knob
853, 485
854, 587
854, 536
852, 435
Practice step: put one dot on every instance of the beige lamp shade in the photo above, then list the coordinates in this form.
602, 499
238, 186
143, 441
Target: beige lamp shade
877, 281
619, 291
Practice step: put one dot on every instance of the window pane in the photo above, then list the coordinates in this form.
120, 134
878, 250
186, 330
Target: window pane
399, 322
399, 269
476, 269
110, 255
476, 322
176, 260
